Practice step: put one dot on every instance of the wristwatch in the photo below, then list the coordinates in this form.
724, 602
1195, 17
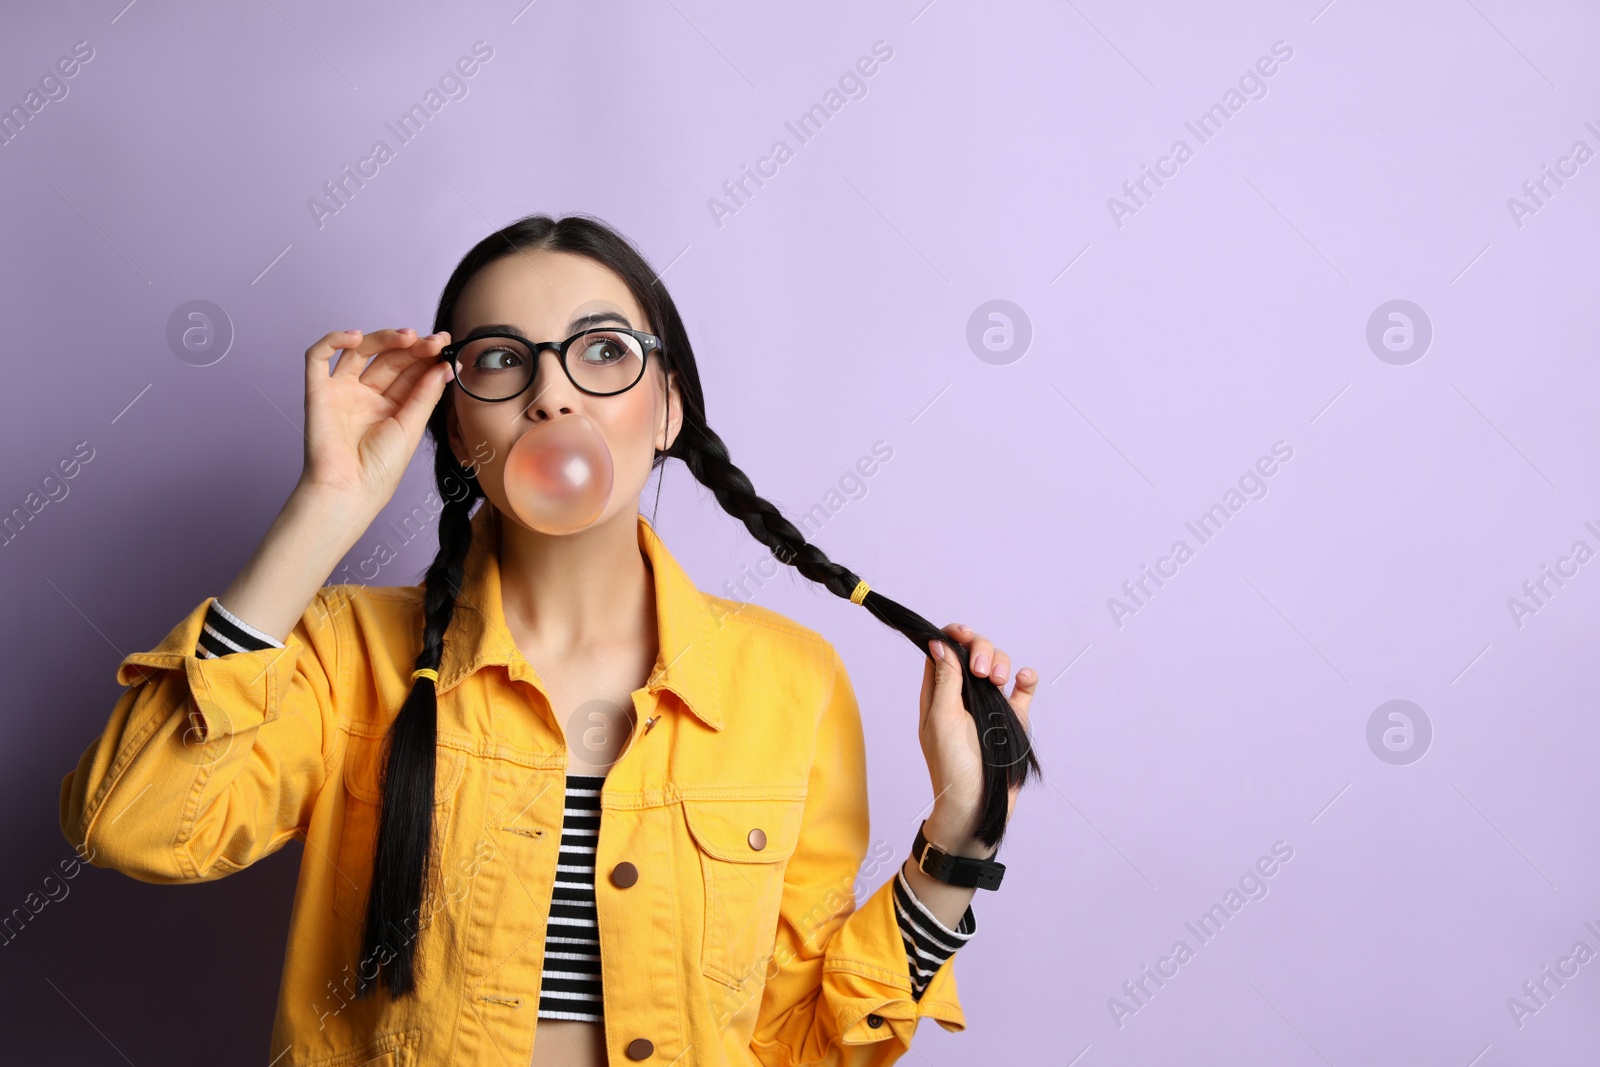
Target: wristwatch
969, 872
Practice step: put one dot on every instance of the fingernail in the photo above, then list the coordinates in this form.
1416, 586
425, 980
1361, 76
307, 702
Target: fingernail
999, 674
981, 663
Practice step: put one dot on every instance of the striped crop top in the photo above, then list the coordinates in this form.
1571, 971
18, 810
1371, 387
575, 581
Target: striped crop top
569, 985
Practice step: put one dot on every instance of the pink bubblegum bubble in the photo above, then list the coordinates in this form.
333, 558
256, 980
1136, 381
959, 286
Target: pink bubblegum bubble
558, 475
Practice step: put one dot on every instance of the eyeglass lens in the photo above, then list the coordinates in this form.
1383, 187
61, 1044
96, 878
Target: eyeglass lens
601, 361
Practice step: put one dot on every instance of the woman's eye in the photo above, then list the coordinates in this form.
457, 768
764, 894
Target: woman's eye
497, 359
602, 351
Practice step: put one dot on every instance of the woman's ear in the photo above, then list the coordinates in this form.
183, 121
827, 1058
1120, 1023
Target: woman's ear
673, 421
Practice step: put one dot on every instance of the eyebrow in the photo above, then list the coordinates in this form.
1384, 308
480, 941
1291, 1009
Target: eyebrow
582, 322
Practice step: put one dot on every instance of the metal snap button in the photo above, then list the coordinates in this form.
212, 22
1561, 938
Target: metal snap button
874, 1021
758, 839
623, 875
640, 1048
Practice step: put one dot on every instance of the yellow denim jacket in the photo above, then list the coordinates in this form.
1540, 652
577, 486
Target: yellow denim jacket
719, 953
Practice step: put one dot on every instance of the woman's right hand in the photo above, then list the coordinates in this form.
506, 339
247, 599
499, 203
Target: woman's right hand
364, 421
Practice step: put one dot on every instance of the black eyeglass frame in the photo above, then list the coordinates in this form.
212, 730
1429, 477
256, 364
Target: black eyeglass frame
450, 353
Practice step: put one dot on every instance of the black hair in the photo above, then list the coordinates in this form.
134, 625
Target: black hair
405, 830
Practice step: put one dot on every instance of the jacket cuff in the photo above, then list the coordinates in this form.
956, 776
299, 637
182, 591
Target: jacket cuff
866, 979
232, 693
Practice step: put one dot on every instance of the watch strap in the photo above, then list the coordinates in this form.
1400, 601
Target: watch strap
968, 872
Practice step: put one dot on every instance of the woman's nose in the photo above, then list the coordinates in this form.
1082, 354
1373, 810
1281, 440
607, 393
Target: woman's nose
552, 390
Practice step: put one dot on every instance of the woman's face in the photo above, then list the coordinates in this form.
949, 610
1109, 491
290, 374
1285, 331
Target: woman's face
540, 294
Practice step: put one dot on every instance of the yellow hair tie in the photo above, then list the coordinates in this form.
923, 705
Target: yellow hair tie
425, 672
860, 592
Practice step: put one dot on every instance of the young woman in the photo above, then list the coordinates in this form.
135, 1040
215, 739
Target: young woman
557, 803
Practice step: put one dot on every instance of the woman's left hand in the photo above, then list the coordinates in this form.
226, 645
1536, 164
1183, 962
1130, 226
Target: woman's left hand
949, 736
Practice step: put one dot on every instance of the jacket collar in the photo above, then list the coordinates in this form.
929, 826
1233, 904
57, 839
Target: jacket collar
686, 663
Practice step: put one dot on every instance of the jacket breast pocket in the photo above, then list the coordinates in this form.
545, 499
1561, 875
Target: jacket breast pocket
358, 838
743, 845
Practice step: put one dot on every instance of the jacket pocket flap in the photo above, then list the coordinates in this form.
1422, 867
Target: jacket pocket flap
732, 829
363, 770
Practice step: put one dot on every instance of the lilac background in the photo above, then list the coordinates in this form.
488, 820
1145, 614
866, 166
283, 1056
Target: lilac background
832, 311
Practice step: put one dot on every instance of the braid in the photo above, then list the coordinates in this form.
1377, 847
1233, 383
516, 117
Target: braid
400, 864
1007, 754
713, 468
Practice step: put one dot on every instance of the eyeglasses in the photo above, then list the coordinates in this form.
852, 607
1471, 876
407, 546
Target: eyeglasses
500, 366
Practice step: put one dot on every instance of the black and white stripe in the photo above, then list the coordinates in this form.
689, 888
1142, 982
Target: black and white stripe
225, 633
929, 942
569, 987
